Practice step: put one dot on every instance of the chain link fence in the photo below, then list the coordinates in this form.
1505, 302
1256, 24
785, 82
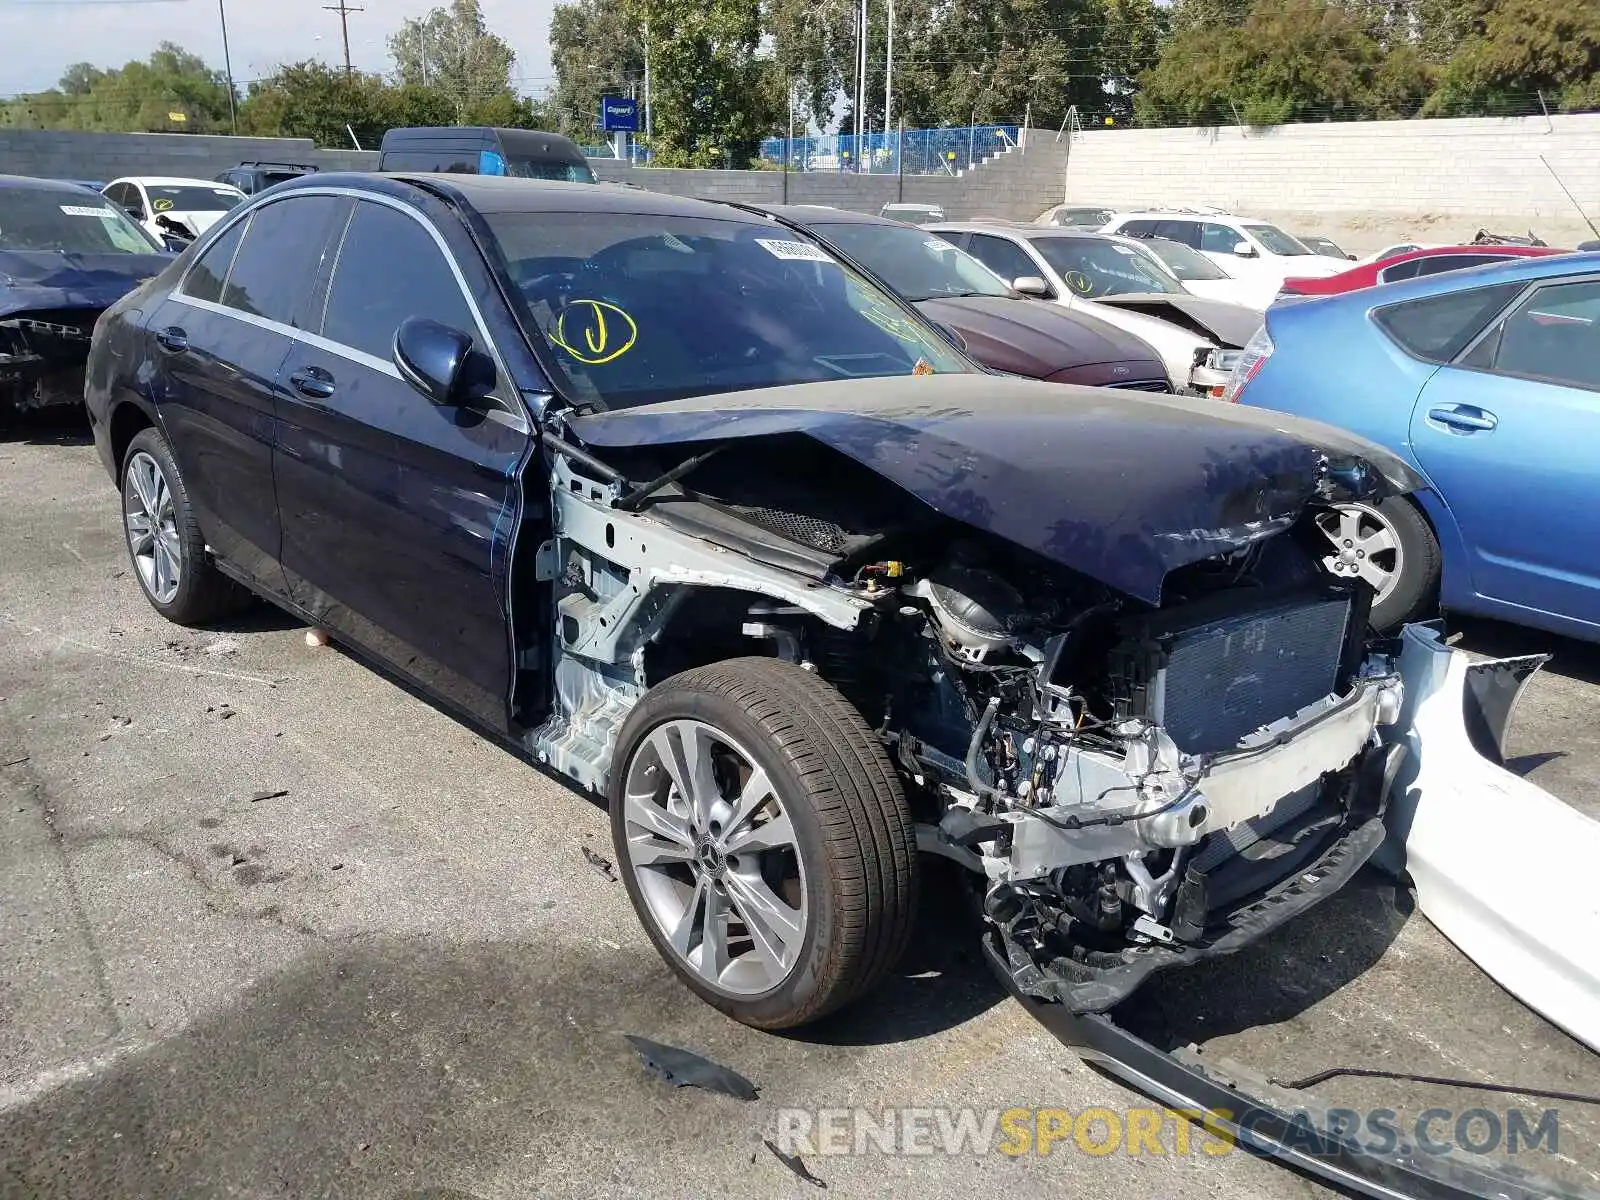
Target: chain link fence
947, 151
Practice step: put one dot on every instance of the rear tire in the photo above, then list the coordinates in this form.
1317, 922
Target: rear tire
776, 897
165, 545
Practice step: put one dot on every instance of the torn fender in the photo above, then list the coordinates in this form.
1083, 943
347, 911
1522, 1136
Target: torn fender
1504, 869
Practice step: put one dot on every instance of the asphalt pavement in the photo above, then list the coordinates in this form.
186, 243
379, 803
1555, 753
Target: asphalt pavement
270, 925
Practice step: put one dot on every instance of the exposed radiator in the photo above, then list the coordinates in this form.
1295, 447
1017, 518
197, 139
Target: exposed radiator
1214, 682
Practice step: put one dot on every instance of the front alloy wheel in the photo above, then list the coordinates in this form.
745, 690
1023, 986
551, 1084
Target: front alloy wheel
764, 840
714, 855
152, 528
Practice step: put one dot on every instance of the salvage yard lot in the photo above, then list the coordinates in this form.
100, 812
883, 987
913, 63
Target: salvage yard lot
272, 926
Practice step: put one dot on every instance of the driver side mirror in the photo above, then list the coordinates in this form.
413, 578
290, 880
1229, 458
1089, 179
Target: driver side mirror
439, 362
1244, 249
1032, 285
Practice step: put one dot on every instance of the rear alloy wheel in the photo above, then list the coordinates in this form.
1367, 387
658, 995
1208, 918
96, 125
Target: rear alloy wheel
164, 542
764, 840
1391, 548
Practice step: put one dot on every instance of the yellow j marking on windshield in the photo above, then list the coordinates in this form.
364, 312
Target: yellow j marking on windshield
608, 331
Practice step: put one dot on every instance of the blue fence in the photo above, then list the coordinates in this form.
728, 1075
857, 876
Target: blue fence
916, 152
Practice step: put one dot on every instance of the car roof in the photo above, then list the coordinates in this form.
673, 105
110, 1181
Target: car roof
812, 214
1021, 229
1517, 269
491, 194
72, 186
170, 181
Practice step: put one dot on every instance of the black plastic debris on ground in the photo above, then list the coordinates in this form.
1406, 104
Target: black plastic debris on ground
795, 1163
602, 866
269, 795
685, 1068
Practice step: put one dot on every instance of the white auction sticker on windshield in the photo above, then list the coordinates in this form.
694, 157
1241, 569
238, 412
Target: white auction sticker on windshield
798, 251
84, 210
937, 244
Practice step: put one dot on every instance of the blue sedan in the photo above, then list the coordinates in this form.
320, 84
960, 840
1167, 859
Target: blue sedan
1488, 382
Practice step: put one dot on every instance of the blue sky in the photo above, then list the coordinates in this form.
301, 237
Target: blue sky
42, 37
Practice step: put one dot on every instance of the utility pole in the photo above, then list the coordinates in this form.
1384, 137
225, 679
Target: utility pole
227, 65
888, 74
861, 84
344, 10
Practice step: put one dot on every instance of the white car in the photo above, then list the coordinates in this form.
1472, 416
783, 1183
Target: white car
169, 207
1123, 284
1197, 273
1254, 251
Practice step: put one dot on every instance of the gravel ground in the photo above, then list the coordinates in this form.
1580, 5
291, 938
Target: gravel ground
272, 926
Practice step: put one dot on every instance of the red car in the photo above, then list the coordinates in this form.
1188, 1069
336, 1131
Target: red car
1430, 261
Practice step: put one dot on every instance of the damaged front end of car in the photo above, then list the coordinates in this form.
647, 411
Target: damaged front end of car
42, 355
1095, 638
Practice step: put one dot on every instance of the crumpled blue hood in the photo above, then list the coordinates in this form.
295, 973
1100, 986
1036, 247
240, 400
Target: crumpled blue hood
36, 279
1121, 488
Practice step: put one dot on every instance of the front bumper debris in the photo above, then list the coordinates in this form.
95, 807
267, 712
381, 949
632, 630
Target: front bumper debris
1499, 865
1502, 867
1285, 1126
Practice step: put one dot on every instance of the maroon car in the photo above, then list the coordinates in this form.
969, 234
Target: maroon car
999, 327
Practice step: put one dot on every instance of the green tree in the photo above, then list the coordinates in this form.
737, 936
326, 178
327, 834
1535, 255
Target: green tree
1290, 60
452, 50
1525, 46
597, 49
139, 96
314, 100
713, 96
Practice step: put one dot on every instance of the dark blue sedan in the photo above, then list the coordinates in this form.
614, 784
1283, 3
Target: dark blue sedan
676, 503
1487, 381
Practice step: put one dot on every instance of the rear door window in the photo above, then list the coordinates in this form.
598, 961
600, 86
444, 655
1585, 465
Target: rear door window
278, 262
1139, 229
1441, 263
389, 269
1184, 232
1437, 328
1005, 258
1219, 239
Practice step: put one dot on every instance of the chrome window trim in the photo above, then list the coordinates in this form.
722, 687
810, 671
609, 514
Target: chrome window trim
519, 419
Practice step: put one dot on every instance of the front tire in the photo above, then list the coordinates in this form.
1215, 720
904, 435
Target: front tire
764, 839
165, 546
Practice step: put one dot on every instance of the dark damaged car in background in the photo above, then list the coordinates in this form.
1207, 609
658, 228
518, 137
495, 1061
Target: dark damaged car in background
65, 256
669, 500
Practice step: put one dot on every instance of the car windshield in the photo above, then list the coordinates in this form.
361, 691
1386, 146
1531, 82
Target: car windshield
1095, 267
1184, 262
1322, 245
172, 197
1276, 240
549, 168
918, 265
48, 220
638, 308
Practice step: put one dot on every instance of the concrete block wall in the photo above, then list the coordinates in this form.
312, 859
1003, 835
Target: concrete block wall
50, 154
1434, 180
